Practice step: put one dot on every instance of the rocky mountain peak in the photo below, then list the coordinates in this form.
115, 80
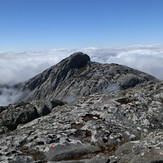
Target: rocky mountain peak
77, 60
76, 76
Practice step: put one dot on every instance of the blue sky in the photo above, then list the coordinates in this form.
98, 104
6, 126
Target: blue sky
49, 24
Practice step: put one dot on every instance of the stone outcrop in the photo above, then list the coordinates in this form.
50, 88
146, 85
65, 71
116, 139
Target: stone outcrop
120, 126
20, 113
76, 76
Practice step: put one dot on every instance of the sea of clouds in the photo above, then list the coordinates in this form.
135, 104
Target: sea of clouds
19, 66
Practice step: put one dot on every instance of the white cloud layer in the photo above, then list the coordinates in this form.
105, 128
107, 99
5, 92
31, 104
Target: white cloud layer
9, 95
18, 67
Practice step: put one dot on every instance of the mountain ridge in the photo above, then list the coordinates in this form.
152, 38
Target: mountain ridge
120, 121
76, 76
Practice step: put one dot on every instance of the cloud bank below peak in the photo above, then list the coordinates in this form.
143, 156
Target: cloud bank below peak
18, 67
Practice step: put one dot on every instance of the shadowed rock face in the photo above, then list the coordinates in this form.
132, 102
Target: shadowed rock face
20, 113
76, 76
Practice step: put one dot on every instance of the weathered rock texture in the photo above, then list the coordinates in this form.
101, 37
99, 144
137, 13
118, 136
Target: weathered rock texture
76, 76
120, 126
20, 113
147, 150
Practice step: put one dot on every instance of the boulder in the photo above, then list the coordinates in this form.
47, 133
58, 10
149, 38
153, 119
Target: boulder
20, 113
70, 151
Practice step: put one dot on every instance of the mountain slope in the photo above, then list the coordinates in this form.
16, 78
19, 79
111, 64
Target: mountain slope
76, 76
120, 126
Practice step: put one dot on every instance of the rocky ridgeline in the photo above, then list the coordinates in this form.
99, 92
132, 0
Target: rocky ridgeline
120, 126
76, 76
109, 127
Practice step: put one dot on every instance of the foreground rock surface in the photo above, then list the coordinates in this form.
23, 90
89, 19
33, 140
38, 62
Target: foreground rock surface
101, 126
76, 76
147, 150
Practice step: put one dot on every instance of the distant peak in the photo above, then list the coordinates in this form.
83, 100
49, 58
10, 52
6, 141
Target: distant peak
78, 53
78, 59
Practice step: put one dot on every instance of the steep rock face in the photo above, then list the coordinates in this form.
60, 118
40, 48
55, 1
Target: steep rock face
98, 127
76, 76
45, 83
